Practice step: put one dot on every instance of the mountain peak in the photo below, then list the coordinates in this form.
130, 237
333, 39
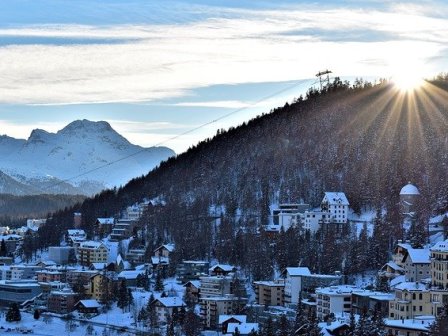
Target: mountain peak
85, 124
38, 135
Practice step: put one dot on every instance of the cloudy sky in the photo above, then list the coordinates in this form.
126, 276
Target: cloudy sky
156, 69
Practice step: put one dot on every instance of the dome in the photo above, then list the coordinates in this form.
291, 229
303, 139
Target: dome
409, 189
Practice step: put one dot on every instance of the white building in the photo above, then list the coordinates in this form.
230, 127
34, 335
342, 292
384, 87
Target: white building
334, 299
293, 283
417, 264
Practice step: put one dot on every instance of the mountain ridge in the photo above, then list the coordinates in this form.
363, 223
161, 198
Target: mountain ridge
47, 159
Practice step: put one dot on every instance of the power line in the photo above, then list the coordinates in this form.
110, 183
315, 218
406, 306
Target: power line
224, 116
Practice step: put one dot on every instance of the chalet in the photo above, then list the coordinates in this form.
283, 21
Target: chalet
75, 237
242, 328
192, 290
224, 320
88, 306
222, 269
164, 250
103, 226
164, 307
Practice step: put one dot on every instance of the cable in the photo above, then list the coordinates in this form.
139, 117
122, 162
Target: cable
297, 84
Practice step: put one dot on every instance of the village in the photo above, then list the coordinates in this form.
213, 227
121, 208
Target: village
104, 283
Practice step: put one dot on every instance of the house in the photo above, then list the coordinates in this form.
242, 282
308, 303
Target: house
269, 293
74, 237
189, 270
88, 306
62, 301
334, 300
399, 252
222, 269
62, 255
192, 290
164, 250
439, 278
123, 229
287, 215
164, 307
212, 286
370, 301
417, 264
212, 307
130, 277
242, 328
411, 299
136, 256
224, 320
102, 286
293, 283
391, 270
103, 226
92, 252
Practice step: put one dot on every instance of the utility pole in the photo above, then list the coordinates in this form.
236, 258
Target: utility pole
324, 77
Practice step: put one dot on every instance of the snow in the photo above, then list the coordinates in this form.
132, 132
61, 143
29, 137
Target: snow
224, 267
90, 303
411, 286
298, 271
171, 302
336, 198
419, 256
440, 247
413, 324
224, 318
243, 328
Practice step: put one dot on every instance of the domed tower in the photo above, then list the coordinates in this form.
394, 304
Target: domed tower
409, 196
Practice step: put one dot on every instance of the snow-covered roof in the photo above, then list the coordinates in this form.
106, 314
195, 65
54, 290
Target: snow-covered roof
224, 318
394, 266
409, 189
298, 271
76, 232
105, 221
129, 275
195, 283
411, 286
224, 267
98, 266
336, 198
440, 247
243, 328
337, 290
396, 281
92, 244
413, 324
89, 303
418, 256
159, 260
171, 301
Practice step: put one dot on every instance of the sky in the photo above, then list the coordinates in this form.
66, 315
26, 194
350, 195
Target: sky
171, 73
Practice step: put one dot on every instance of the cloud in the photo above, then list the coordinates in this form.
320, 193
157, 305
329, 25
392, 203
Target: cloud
144, 63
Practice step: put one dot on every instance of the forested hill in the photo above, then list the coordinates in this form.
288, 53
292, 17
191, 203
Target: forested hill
365, 140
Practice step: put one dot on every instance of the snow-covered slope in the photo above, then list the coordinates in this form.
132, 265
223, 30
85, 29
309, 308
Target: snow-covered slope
46, 159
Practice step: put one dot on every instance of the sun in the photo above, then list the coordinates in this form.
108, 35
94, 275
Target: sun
408, 81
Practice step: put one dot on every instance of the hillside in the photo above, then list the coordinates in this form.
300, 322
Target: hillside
365, 140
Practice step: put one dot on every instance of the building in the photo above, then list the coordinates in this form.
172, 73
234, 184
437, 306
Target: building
50, 275
293, 283
189, 270
409, 327
92, 252
287, 215
164, 250
439, 276
192, 291
222, 269
103, 226
75, 237
77, 219
136, 256
334, 300
409, 196
224, 320
88, 306
18, 291
122, 229
102, 286
212, 307
412, 299
213, 286
269, 293
417, 264
62, 255
62, 301
370, 301
164, 307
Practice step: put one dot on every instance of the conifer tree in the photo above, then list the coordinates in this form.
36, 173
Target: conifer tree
283, 328
440, 326
13, 313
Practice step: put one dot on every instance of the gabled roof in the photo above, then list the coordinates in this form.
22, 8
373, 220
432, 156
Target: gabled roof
225, 318
170, 302
92, 244
243, 328
89, 303
224, 267
418, 256
169, 247
77, 232
336, 198
440, 247
298, 271
195, 283
105, 221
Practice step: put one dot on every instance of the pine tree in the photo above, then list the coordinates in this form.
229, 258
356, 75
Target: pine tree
192, 324
283, 328
301, 320
158, 286
13, 313
36, 314
268, 328
170, 326
123, 296
3, 250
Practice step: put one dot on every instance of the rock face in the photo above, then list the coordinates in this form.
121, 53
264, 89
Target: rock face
68, 161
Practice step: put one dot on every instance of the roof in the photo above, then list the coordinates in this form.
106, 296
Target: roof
394, 266
129, 275
412, 324
298, 271
159, 260
105, 221
92, 244
171, 301
89, 303
224, 318
337, 290
76, 232
195, 283
418, 256
243, 328
409, 189
337, 198
411, 286
440, 247
224, 267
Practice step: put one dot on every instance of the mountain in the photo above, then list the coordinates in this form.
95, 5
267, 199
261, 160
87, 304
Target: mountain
43, 162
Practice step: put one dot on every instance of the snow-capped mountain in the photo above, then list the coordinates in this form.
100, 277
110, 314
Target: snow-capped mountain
45, 160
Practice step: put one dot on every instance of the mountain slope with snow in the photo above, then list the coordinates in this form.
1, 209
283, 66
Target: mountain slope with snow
45, 160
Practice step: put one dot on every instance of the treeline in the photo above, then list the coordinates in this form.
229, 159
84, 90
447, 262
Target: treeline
16, 207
